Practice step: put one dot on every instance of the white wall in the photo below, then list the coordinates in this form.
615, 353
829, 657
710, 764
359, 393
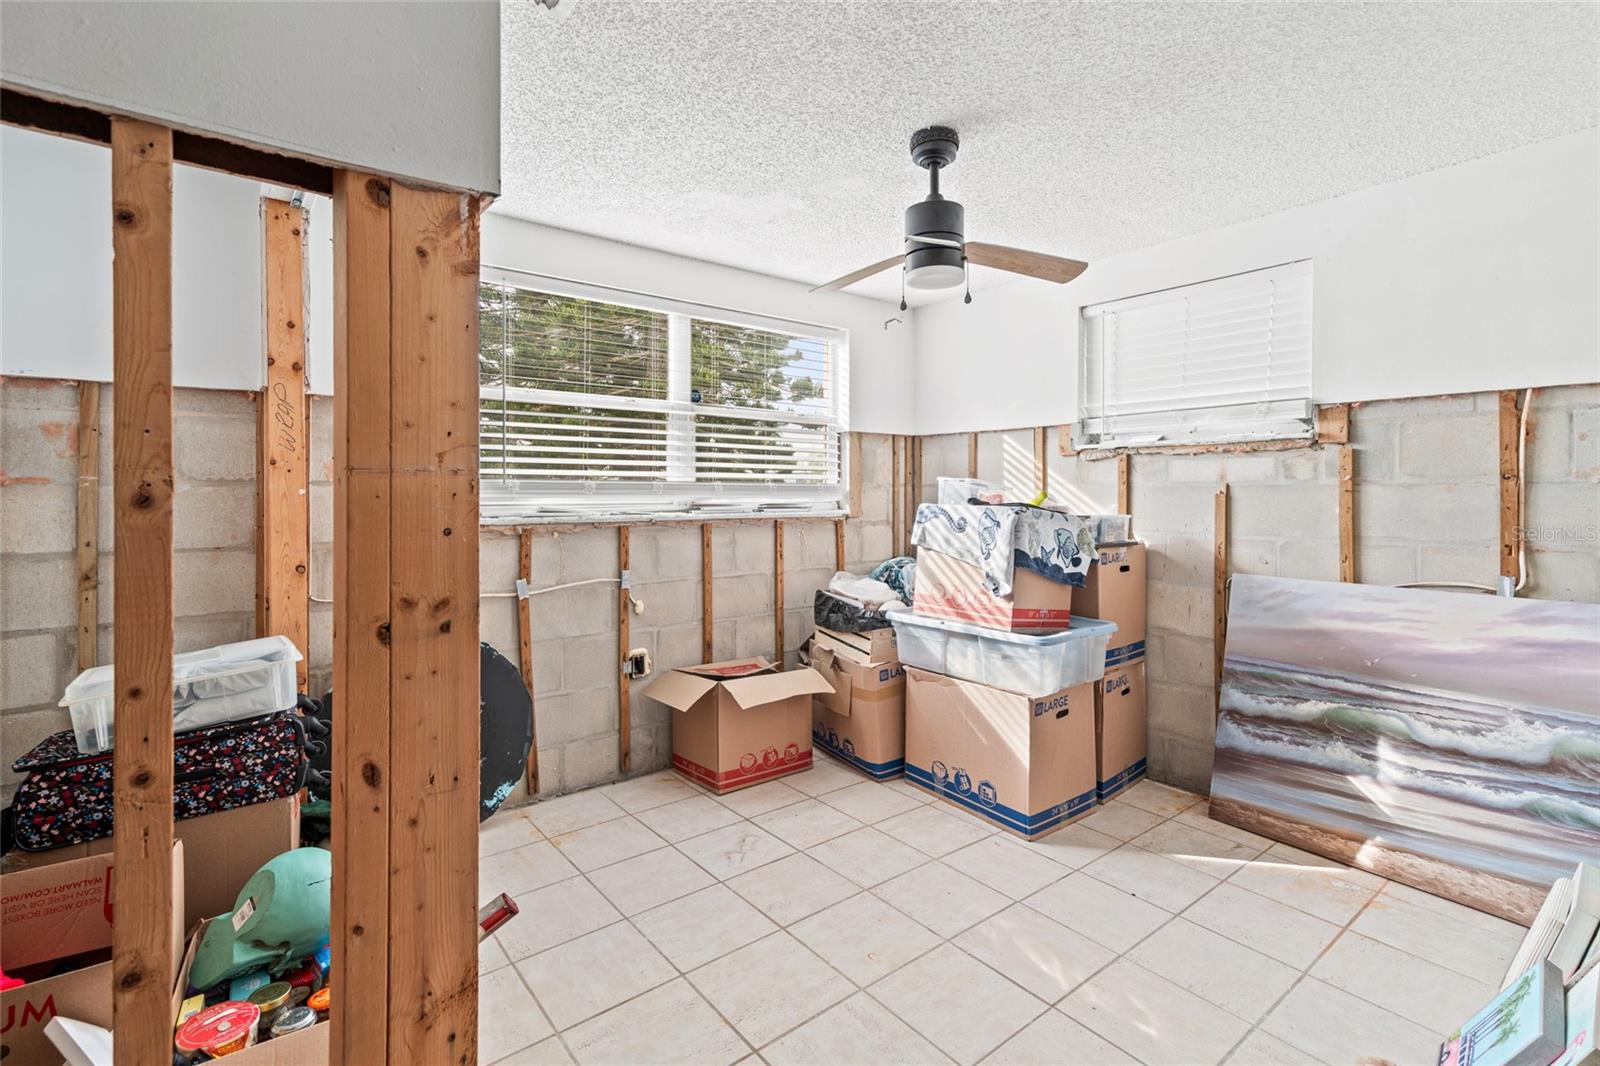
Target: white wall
882, 362
1478, 277
409, 89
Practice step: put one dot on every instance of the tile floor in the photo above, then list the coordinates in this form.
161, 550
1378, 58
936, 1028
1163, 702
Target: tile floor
823, 918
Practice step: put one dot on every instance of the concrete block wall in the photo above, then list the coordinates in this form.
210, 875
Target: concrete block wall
1427, 509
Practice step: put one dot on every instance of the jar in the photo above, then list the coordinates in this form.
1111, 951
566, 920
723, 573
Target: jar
293, 1020
320, 1001
219, 1030
271, 999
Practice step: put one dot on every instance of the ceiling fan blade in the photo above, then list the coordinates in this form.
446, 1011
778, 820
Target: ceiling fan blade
865, 272
1020, 261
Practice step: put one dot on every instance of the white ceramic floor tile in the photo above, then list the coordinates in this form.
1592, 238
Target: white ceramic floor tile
1260, 1049
1422, 991
1457, 943
934, 830
961, 1006
687, 818
1057, 1040
491, 956
1121, 820
1151, 1018
1196, 848
858, 1032
547, 1052
870, 802
1151, 877
1333, 893
1238, 980
1006, 865
1337, 1027
506, 830
864, 938
867, 856
824, 776
667, 1025
1272, 928
649, 880
698, 928
1041, 955
1485, 923
767, 796
803, 824
734, 849
792, 888
508, 1018
593, 973
941, 898
554, 915
1073, 846
1159, 799
521, 870
1104, 914
769, 987
607, 843
910, 791
651, 790
1199, 816
577, 810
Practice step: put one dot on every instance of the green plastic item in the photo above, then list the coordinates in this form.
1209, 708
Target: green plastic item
278, 918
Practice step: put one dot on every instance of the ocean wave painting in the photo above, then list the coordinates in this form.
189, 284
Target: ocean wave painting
1447, 741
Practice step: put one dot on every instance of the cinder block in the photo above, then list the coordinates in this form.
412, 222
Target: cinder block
237, 404
1562, 517
585, 763
587, 555
877, 459
1463, 447
1210, 469
1553, 438
1479, 565
39, 517
215, 447
1257, 555
549, 759
41, 394
210, 516
1181, 609
651, 749
1421, 407
590, 662
1301, 465
1283, 509
1180, 762
1180, 559
798, 625
1179, 660
1309, 560
1585, 445
877, 503
725, 640
1564, 575
41, 591
547, 664
40, 444
497, 626
668, 552
1182, 710
497, 563
34, 669
568, 716
1167, 508
576, 612
678, 646
722, 550
1429, 514
321, 438
754, 549
210, 582
1570, 396
874, 544
1385, 563
808, 545
741, 595
321, 518
1376, 442
753, 636
800, 586
191, 633
319, 654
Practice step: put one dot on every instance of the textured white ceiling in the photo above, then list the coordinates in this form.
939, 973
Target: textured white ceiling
773, 135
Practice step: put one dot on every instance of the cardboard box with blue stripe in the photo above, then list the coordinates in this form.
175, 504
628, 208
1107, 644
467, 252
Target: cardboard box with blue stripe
862, 722
1114, 591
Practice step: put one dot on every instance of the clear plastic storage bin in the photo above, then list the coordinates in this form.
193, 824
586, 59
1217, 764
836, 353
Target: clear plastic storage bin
210, 686
1027, 663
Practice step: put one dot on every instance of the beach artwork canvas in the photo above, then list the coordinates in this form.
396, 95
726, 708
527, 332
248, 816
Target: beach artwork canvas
1447, 741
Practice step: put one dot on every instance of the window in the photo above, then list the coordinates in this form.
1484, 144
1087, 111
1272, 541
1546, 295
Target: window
596, 402
1223, 360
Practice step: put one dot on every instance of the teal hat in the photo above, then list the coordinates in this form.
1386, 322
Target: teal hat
278, 918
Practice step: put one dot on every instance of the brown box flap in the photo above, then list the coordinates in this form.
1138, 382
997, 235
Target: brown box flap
750, 692
830, 665
679, 690
730, 669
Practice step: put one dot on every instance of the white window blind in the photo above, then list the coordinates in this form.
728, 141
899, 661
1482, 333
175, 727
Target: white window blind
1222, 360
595, 402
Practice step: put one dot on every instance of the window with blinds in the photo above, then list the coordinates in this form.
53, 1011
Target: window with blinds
1214, 362
597, 402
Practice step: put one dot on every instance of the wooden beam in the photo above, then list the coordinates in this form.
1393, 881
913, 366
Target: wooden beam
1510, 486
525, 648
1347, 513
972, 455
141, 341
708, 616
915, 444
1041, 459
434, 669
1124, 483
624, 638
283, 476
1219, 592
838, 544
854, 501
777, 595
1064, 440
1333, 424
88, 524
361, 628
897, 527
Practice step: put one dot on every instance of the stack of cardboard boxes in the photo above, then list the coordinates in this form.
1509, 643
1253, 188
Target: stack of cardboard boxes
1115, 592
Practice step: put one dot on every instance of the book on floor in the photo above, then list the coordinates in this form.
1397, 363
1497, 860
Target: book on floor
1583, 918
1583, 1005
1524, 1025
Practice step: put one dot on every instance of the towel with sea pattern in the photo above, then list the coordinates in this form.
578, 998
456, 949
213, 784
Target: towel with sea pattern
998, 537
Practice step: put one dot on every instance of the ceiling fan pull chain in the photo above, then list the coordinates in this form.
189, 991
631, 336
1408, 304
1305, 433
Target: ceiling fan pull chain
902, 288
966, 273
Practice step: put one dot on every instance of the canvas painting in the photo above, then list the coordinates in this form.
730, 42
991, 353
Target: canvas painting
1444, 740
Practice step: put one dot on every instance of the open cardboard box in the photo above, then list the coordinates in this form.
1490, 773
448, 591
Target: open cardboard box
873, 646
953, 588
739, 722
862, 722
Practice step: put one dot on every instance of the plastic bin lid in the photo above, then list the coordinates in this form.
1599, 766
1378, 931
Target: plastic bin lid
220, 661
1079, 627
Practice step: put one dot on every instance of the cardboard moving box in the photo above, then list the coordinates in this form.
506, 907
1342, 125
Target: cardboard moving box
862, 721
873, 646
739, 722
948, 587
61, 912
1025, 763
1115, 592
1119, 728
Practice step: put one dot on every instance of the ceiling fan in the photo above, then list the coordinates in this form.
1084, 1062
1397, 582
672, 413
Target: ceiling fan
937, 252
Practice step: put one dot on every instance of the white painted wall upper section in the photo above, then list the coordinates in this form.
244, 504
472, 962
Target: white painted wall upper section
1477, 277
409, 89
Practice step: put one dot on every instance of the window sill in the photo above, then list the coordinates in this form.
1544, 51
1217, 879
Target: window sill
514, 523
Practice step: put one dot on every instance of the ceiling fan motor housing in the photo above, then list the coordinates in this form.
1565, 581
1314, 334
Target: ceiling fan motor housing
941, 218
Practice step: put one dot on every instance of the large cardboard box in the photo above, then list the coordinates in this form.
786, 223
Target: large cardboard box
862, 722
952, 588
739, 722
873, 646
1114, 591
1119, 727
61, 913
1025, 763
225, 849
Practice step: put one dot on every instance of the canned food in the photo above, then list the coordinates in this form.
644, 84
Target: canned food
298, 995
271, 999
319, 1001
219, 1030
292, 1020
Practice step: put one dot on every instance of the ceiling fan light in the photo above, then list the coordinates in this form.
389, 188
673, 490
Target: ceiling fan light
934, 276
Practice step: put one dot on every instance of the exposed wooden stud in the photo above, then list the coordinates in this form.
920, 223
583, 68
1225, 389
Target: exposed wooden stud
1347, 513
1041, 459
896, 525
707, 615
1510, 485
624, 638
915, 443
838, 544
141, 283
1333, 424
525, 648
283, 480
1124, 483
1234, 448
778, 655
854, 501
88, 524
1064, 440
361, 628
1219, 593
